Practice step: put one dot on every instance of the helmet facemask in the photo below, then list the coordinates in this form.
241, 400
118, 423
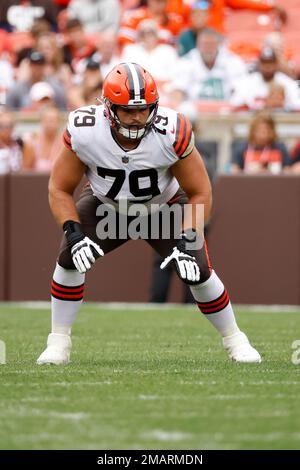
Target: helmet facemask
132, 132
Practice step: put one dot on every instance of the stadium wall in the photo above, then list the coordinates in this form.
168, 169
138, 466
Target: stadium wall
255, 237
253, 241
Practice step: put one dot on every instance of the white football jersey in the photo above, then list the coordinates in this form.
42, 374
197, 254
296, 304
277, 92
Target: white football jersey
139, 175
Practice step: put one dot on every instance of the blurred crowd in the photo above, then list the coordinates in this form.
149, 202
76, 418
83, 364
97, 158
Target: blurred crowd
55, 54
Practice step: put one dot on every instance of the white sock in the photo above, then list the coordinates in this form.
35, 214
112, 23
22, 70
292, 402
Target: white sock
213, 301
66, 298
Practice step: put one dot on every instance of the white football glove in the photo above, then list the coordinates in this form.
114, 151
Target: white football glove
186, 266
84, 254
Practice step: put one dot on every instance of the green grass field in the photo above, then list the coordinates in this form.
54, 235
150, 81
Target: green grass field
148, 379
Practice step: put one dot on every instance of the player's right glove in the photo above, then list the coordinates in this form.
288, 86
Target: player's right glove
83, 250
184, 259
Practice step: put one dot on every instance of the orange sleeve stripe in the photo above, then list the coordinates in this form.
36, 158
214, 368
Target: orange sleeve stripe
187, 139
67, 139
183, 135
67, 144
180, 129
67, 136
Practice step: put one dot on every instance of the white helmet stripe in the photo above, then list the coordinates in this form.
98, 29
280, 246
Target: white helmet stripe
136, 83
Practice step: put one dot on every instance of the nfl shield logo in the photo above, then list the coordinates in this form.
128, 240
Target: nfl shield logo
125, 159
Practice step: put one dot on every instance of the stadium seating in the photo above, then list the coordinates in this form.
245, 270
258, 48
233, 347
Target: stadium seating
15, 41
245, 30
3, 35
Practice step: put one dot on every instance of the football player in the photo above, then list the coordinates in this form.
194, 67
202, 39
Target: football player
130, 148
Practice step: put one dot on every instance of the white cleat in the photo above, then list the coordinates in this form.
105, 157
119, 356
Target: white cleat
58, 350
239, 349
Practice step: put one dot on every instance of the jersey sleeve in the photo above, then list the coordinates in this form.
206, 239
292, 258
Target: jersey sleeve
184, 137
73, 134
79, 133
69, 133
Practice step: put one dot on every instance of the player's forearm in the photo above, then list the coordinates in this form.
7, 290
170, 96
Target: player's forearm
62, 206
197, 212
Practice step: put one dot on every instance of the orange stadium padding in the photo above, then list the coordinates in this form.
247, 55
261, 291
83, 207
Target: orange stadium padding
293, 17
245, 43
244, 20
246, 30
218, 11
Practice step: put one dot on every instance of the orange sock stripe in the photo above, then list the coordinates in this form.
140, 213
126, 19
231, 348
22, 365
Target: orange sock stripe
62, 289
59, 295
216, 309
215, 302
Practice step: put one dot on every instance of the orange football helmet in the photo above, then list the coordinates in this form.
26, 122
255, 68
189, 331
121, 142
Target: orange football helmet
129, 85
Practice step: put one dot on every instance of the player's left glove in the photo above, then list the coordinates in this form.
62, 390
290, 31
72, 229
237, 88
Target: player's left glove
184, 260
83, 250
